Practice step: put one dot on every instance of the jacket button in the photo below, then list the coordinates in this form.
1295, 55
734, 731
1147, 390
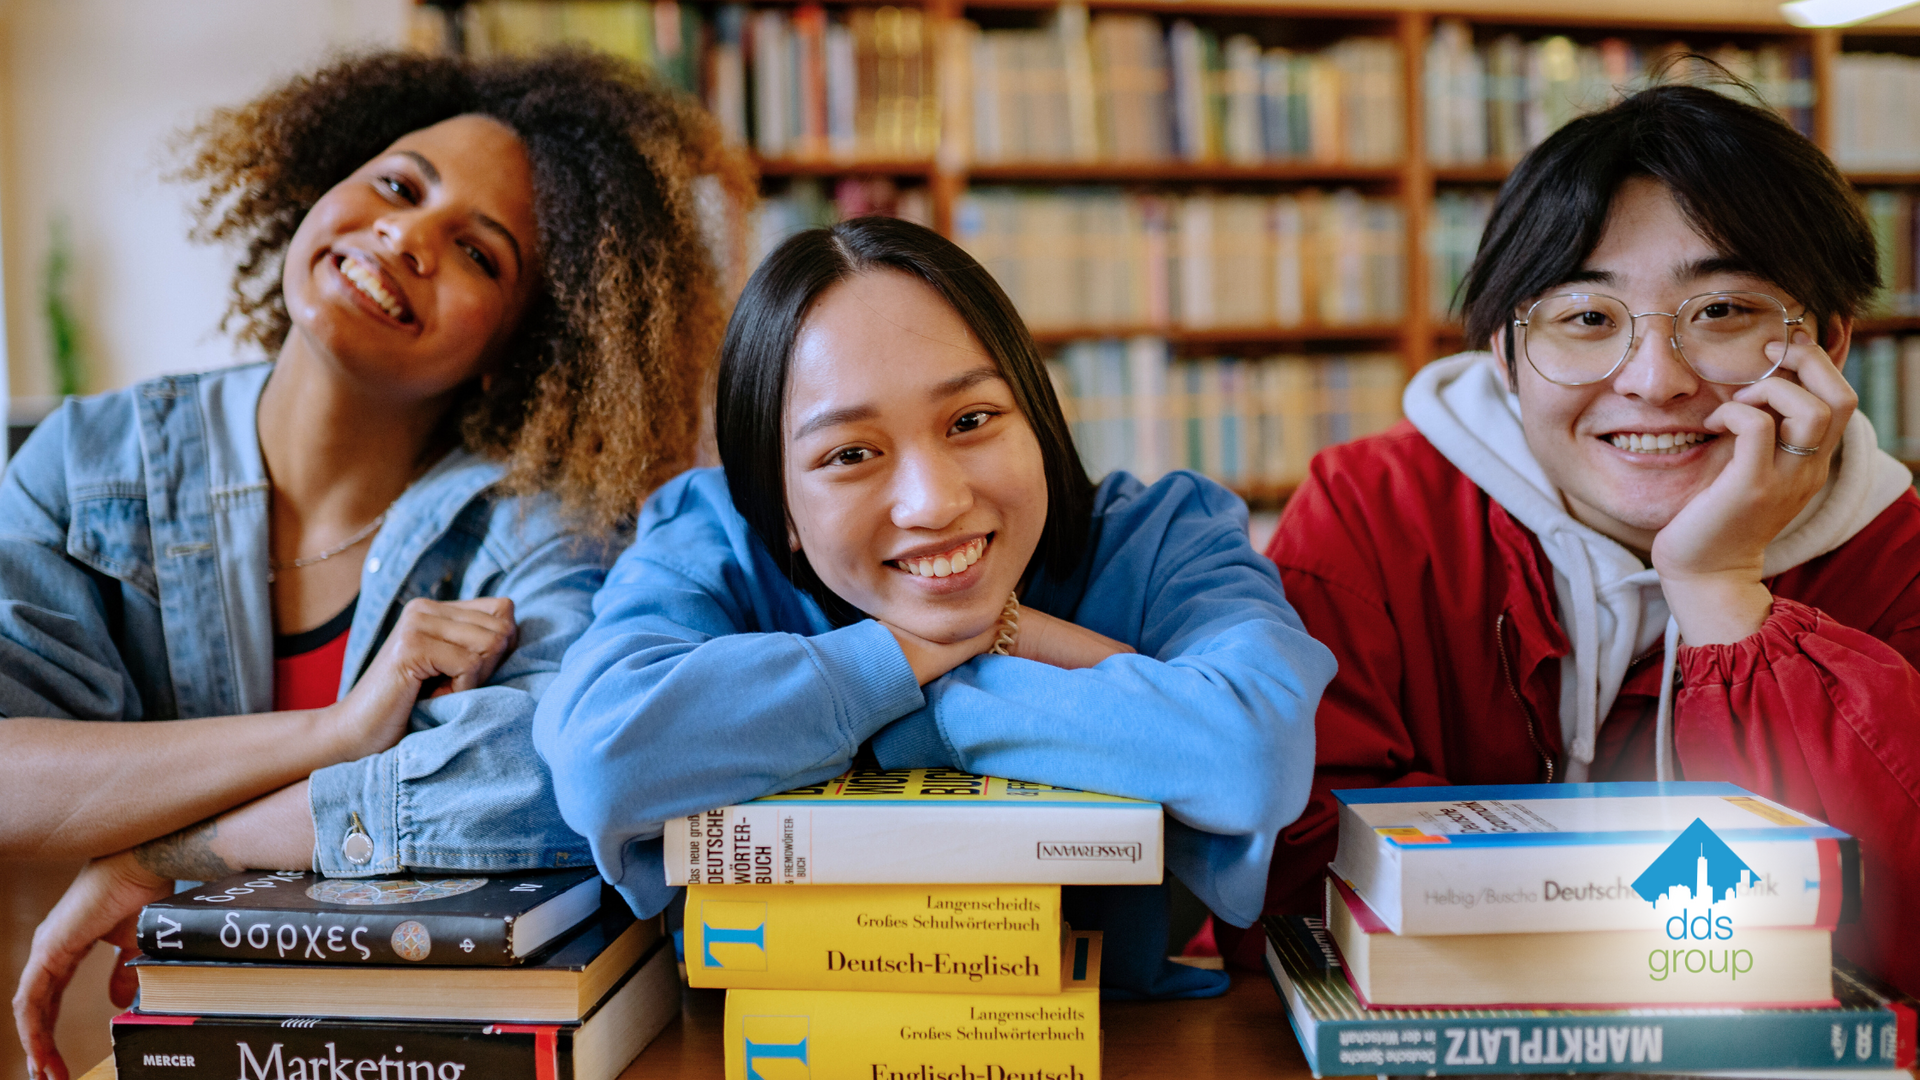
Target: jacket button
373, 565
357, 847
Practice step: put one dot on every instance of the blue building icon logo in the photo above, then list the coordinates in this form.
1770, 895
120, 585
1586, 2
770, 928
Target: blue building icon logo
1697, 867
775, 1047
733, 935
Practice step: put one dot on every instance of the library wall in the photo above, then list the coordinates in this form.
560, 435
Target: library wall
1235, 229
94, 90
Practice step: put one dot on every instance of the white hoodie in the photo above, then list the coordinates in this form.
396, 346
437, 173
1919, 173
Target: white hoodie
1610, 604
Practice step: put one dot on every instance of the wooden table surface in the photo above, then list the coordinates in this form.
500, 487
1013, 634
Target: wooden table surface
1243, 1034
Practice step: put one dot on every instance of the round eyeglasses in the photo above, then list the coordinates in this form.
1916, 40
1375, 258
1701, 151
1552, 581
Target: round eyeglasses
1579, 338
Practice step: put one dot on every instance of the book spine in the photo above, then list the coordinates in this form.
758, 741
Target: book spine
788, 843
925, 939
223, 1048
1574, 887
857, 1036
1655, 1043
389, 936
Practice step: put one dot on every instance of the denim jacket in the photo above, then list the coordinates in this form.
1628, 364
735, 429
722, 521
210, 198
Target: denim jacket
133, 586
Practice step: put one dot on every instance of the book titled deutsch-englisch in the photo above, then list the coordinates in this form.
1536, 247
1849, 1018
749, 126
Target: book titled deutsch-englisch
1544, 858
916, 826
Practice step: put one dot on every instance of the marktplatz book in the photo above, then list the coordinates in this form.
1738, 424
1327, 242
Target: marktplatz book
1871, 1028
1542, 858
916, 826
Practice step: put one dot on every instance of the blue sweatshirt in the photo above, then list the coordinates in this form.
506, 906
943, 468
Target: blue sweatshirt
707, 679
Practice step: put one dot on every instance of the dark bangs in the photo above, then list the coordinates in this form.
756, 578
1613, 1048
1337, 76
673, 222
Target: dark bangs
759, 347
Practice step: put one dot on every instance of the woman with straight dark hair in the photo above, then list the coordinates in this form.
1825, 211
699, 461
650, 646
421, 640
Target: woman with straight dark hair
903, 564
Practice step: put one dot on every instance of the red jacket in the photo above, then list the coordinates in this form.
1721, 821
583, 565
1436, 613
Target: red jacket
1440, 608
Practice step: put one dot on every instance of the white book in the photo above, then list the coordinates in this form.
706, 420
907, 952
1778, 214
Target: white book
917, 826
770, 78
843, 91
1541, 858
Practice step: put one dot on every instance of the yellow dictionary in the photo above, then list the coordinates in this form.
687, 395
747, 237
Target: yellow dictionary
865, 1035
1001, 939
912, 826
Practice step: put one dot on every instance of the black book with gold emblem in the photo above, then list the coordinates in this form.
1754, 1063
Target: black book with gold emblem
292, 917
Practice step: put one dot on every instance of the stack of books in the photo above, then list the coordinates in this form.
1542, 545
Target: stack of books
906, 923
1490, 102
1104, 259
1583, 927
290, 976
1252, 423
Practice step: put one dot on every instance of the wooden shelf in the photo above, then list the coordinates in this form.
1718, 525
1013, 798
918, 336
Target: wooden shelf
844, 167
1470, 174
1176, 171
1885, 324
1253, 335
1883, 179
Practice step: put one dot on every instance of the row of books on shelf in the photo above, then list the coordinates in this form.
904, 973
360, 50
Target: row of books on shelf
1083, 257
1489, 102
882, 83
1885, 372
1454, 227
1126, 88
666, 37
803, 84
1874, 96
1252, 424
909, 922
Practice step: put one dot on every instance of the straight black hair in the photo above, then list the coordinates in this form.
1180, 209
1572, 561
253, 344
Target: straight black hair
754, 362
1756, 189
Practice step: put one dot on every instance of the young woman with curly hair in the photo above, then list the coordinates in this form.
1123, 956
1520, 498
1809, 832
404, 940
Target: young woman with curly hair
342, 579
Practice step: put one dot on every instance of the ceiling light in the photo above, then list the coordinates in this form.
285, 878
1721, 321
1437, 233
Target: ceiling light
1838, 12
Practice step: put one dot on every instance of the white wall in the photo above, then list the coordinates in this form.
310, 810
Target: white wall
93, 91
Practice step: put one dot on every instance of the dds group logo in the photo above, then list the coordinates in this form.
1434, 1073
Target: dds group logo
1694, 874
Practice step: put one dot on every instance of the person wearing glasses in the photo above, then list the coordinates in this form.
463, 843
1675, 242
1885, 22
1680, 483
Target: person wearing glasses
1644, 533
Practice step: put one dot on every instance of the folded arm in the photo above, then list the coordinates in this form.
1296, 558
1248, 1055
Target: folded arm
1213, 717
665, 707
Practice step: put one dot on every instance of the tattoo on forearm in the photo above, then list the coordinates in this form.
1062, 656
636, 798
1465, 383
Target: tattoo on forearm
186, 855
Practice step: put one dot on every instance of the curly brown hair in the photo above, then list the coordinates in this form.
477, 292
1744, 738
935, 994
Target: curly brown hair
598, 399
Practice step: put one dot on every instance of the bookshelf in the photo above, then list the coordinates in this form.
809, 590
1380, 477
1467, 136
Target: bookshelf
1800, 72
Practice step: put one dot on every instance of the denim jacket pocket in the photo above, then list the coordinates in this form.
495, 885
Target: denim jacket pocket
108, 532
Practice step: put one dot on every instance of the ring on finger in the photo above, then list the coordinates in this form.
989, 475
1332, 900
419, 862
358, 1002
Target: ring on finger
1798, 451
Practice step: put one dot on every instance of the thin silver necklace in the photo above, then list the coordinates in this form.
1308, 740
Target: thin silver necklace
274, 567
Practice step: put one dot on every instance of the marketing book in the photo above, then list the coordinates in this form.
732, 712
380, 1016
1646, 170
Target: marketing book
859, 1035
471, 920
558, 986
597, 1047
1004, 939
1870, 1028
915, 826
1542, 858
1695, 959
